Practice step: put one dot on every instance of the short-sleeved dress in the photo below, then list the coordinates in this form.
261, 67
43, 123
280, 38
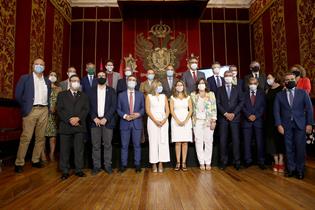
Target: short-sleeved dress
181, 133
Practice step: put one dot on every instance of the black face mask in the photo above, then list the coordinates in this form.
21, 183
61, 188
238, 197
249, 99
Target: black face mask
101, 81
290, 84
255, 69
296, 73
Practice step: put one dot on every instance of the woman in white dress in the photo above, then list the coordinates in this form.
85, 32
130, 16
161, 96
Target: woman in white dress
157, 110
181, 126
204, 121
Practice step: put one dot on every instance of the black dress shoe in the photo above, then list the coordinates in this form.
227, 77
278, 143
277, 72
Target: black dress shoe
64, 176
138, 169
289, 174
222, 166
122, 169
247, 165
18, 169
262, 166
37, 165
96, 171
108, 169
80, 174
237, 166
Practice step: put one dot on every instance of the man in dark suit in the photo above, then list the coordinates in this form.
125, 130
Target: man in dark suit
72, 109
102, 112
32, 93
229, 103
253, 111
191, 76
215, 81
236, 81
169, 81
89, 80
122, 83
255, 71
293, 113
130, 108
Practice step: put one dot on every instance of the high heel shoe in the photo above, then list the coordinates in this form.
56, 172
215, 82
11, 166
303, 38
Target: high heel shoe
208, 167
154, 168
184, 167
177, 167
281, 168
275, 167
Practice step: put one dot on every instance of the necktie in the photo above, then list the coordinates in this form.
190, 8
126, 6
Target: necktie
195, 76
131, 102
229, 91
291, 97
75, 94
90, 80
218, 80
170, 83
253, 98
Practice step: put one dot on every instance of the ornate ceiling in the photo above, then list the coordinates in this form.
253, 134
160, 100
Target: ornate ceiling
211, 3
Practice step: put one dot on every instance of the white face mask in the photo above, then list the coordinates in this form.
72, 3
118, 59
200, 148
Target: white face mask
202, 86
109, 68
75, 85
159, 89
131, 84
270, 81
194, 66
216, 70
128, 73
253, 87
71, 74
180, 88
52, 78
228, 80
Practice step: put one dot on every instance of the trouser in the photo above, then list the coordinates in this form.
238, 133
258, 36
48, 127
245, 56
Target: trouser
37, 119
295, 143
135, 135
203, 142
66, 142
248, 133
101, 135
225, 127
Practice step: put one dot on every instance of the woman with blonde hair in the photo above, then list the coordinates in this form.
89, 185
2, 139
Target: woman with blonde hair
204, 121
158, 111
302, 81
181, 126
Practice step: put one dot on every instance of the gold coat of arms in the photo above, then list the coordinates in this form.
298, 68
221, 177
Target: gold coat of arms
160, 49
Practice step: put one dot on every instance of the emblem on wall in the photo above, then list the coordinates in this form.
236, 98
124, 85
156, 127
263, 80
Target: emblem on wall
160, 48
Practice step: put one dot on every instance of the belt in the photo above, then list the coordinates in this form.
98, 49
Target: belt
39, 105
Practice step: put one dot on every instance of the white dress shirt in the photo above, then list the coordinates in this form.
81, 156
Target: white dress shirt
40, 91
101, 97
255, 74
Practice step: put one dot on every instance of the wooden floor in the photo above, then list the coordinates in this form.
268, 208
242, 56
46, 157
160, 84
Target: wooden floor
246, 189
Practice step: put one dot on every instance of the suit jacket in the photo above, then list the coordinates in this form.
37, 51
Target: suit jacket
232, 105
85, 85
123, 108
167, 90
67, 107
122, 85
189, 80
212, 85
24, 93
116, 77
109, 109
262, 79
258, 109
145, 87
301, 111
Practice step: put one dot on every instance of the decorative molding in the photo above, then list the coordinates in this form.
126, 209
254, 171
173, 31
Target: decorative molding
258, 8
98, 20
7, 47
64, 7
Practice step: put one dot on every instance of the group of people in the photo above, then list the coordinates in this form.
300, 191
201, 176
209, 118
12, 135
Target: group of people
208, 112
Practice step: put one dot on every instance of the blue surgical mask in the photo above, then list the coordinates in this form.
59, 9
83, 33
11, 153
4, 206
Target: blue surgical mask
159, 89
38, 68
169, 73
150, 76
